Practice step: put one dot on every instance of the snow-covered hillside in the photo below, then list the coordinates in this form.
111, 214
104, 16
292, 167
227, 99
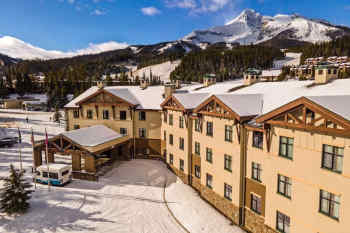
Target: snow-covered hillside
291, 59
251, 27
16, 48
162, 70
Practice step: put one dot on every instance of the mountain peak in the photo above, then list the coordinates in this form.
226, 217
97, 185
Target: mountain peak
244, 16
250, 27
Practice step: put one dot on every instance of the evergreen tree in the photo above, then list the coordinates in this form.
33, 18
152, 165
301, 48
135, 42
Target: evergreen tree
15, 195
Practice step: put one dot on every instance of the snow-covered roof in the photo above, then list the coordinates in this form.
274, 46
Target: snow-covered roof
85, 94
243, 105
219, 88
191, 100
53, 167
149, 98
276, 94
338, 104
101, 134
271, 73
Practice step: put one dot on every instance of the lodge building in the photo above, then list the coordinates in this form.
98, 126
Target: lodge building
272, 157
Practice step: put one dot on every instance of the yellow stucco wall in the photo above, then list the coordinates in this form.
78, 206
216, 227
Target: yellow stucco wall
219, 147
307, 179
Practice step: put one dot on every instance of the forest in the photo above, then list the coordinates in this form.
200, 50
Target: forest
225, 64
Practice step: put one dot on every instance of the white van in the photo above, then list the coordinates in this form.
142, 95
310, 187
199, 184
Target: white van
59, 174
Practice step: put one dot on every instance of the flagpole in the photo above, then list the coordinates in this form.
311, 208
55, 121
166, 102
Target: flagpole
20, 148
47, 160
34, 166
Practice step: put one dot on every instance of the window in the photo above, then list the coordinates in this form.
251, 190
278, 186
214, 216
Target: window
209, 181
122, 115
171, 118
76, 126
284, 186
282, 222
228, 163
142, 116
165, 117
228, 133
197, 125
171, 139
171, 159
228, 192
53, 175
334, 71
255, 203
45, 174
123, 131
89, 114
105, 114
197, 171
197, 148
209, 128
65, 172
286, 147
76, 113
182, 165
182, 144
329, 204
181, 122
329, 71
209, 155
258, 139
320, 72
142, 132
256, 171
164, 136
332, 158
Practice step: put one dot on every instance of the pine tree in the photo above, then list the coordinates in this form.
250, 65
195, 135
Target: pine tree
15, 195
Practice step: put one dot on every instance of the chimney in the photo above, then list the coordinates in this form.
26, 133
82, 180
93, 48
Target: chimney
169, 89
100, 84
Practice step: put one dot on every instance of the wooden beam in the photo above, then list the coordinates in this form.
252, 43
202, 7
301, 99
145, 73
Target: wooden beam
295, 118
314, 129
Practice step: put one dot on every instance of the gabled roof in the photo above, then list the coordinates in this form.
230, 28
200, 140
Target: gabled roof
335, 107
243, 105
101, 134
191, 100
240, 107
149, 98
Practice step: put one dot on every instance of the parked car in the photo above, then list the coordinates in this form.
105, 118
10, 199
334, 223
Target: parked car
8, 141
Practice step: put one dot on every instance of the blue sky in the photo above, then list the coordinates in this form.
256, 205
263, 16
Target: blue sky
73, 24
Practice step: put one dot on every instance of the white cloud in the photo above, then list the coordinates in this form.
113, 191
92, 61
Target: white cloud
71, 1
16, 48
200, 6
98, 12
150, 11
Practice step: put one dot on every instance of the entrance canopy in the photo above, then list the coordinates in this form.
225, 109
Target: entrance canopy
95, 139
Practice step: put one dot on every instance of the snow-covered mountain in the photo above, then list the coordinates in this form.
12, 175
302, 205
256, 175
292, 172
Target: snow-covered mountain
16, 48
251, 27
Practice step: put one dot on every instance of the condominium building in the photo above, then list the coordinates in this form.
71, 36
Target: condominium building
272, 157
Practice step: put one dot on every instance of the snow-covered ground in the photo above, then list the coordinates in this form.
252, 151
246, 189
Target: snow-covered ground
128, 199
163, 70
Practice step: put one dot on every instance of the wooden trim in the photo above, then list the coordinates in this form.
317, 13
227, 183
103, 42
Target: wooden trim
254, 128
103, 91
310, 105
216, 100
309, 128
172, 98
